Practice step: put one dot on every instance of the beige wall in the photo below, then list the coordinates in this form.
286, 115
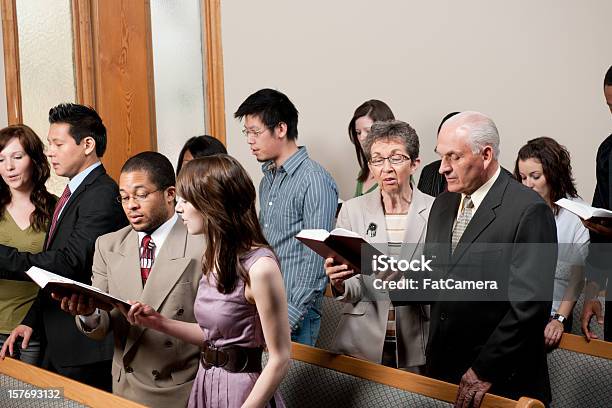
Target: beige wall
536, 67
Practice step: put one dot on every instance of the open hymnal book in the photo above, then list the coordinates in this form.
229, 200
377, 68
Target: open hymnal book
343, 245
66, 287
585, 211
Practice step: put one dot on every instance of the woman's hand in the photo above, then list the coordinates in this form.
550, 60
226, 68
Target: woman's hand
337, 274
553, 333
144, 315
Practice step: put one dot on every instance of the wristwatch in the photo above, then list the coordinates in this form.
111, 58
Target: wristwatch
558, 317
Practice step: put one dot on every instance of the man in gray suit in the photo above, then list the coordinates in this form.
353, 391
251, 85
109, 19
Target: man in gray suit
155, 261
490, 222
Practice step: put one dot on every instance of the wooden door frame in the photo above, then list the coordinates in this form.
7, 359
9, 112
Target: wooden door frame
83, 16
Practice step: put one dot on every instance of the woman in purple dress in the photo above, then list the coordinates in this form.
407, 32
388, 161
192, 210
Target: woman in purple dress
240, 306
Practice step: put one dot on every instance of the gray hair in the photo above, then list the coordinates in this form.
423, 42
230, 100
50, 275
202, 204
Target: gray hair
393, 129
480, 128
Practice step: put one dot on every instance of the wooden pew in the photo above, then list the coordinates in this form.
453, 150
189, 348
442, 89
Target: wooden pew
318, 378
581, 373
15, 375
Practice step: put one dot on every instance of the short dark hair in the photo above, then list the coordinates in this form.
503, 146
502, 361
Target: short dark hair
156, 165
377, 111
608, 78
200, 146
272, 107
444, 119
84, 122
393, 130
556, 165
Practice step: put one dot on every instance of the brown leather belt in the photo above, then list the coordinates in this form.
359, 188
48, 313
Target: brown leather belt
233, 358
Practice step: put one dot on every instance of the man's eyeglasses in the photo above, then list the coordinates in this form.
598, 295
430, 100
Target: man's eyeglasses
139, 197
395, 159
255, 132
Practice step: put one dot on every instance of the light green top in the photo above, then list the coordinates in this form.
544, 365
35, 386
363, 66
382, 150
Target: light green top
359, 190
16, 297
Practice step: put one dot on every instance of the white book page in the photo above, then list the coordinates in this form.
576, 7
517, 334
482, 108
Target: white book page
345, 233
314, 234
582, 210
42, 277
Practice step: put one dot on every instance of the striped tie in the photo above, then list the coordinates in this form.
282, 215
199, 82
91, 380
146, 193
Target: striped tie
147, 257
463, 220
58, 208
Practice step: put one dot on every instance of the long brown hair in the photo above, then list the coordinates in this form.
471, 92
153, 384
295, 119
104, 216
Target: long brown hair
377, 111
43, 200
556, 165
222, 191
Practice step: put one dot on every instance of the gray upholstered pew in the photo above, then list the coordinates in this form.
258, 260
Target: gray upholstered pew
16, 376
581, 373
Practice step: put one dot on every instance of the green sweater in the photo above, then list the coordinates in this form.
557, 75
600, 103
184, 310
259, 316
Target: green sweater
16, 297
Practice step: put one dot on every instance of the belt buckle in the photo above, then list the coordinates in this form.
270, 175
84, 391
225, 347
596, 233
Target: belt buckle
213, 356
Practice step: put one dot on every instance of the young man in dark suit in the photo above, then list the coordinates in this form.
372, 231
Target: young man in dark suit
484, 227
87, 209
598, 261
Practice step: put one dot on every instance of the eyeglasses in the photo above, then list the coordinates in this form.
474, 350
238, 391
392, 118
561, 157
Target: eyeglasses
394, 160
139, 198
255, 132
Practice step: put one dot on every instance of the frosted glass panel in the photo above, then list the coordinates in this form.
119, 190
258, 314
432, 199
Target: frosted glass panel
3, 107
46, 64
177, 60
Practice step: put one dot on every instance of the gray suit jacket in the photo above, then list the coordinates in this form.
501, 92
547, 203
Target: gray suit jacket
361, 330
150, 367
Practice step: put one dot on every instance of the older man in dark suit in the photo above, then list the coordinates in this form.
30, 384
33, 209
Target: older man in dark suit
485, 345
87, 209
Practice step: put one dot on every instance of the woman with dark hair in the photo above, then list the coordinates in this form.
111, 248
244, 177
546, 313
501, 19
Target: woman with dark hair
544, 166
241, 305
199, 146
25, 211
367, 113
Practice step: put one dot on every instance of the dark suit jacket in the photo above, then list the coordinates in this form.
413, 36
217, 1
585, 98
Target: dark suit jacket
91, 211
433, 183
502, 341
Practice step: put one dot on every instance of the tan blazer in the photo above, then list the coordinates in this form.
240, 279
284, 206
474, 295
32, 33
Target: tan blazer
361, 330
150, 367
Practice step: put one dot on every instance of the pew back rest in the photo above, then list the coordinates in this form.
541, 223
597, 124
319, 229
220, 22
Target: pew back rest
318, 378
581, 373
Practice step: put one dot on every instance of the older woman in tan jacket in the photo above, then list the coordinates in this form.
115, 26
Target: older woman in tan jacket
394, 215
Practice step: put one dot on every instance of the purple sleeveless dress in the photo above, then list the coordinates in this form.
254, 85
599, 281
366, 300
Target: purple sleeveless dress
228, 320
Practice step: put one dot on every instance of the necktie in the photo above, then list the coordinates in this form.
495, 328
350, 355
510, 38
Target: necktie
58, 207
463, 220
147, 257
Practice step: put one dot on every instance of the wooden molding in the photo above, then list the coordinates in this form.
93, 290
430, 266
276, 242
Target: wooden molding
83, 52
123, 78
597, 348
402, 380
11, 61
73, 390
215, 95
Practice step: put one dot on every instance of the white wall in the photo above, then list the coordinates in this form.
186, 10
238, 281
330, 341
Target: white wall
536, 67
